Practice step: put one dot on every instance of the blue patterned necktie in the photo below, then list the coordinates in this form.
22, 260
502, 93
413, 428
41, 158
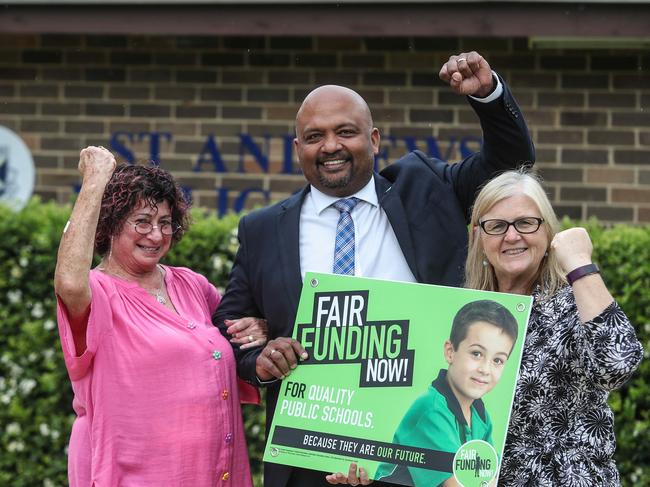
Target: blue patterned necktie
344, 244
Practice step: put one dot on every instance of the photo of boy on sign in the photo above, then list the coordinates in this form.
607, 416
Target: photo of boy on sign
451, 412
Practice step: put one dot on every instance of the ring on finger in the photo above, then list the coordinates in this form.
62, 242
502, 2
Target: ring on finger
461, 59
250, 338
273, 350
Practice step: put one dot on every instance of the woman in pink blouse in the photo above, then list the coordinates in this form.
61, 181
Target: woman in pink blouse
155, 388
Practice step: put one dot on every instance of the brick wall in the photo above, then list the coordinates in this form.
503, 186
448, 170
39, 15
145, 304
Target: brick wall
588, 110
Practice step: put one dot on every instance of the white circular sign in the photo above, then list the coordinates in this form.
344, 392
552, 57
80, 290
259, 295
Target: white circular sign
16, 170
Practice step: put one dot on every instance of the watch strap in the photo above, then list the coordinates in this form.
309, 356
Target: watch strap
582, 271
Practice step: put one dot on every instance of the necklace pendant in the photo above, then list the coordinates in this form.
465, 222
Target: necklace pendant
161, 299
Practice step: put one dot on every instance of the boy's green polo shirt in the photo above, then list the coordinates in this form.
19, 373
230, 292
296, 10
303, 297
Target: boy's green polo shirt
436, 422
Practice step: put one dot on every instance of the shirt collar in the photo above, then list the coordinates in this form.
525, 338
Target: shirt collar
323, 201
442, 386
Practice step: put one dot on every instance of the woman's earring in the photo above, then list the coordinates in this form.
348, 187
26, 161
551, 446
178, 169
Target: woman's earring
546, 254
485, 263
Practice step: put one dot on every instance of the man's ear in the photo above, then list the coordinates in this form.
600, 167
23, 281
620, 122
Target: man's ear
375, 139
449, 352
296, 143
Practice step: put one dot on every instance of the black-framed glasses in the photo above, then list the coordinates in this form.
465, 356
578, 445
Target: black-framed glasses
144, 228
528, 224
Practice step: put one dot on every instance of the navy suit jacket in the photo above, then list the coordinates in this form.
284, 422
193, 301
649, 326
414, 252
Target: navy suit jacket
427, 202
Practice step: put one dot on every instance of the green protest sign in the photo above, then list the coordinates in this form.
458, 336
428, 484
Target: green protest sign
411, 381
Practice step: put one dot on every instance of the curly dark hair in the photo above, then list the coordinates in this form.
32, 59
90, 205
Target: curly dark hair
127, 188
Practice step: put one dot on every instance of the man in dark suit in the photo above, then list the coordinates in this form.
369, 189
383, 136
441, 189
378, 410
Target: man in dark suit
409, 221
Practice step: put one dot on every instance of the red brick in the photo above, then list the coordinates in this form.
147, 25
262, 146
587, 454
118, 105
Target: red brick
129, 92
630, 195
39, 125
177, 93
614, 100
644, 176
85, 127
644, 215
345, 78
644, 138
585, 81
268, 95
609, 175
255, 77
610, 137
589, 119
196, 111
641, 157
583, 193
546, 155
403, 96
241, 111
431, 116
639, 81
559, 137
561, 175
631, 119
362, 60
349, 44
265, 129
559, 99
611, 213
533, 80
19, 40
40, 90
585, 156
18, 108
574, 212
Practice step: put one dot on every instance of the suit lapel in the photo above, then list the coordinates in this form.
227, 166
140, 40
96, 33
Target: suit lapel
391, 203
288, 235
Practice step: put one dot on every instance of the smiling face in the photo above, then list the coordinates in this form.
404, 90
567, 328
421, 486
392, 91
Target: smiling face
335, 141
476, 365
137, 253
515, 257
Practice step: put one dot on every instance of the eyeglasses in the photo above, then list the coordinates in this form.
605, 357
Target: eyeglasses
144, 228
529, 224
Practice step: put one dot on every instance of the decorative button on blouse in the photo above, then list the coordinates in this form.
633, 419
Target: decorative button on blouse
225, 394
216, 355
191, 325
225, 476
228, 438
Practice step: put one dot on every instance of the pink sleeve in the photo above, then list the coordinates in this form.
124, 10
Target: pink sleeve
99, 319
212, 295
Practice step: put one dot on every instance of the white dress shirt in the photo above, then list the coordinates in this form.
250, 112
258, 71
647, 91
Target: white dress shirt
377, 253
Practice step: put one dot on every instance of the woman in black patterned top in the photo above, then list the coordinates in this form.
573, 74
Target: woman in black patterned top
580, 345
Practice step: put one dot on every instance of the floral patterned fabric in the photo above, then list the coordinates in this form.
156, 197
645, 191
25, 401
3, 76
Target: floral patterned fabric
561, 430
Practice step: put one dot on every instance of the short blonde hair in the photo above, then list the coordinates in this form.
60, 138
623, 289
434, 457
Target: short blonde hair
478, 275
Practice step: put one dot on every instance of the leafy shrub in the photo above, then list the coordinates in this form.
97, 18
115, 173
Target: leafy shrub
623, 253
36, 397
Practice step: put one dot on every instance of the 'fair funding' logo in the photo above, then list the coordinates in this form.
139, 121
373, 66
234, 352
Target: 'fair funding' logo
475, 464
16, 170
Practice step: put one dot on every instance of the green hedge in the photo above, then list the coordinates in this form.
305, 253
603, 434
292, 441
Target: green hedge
35, 395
